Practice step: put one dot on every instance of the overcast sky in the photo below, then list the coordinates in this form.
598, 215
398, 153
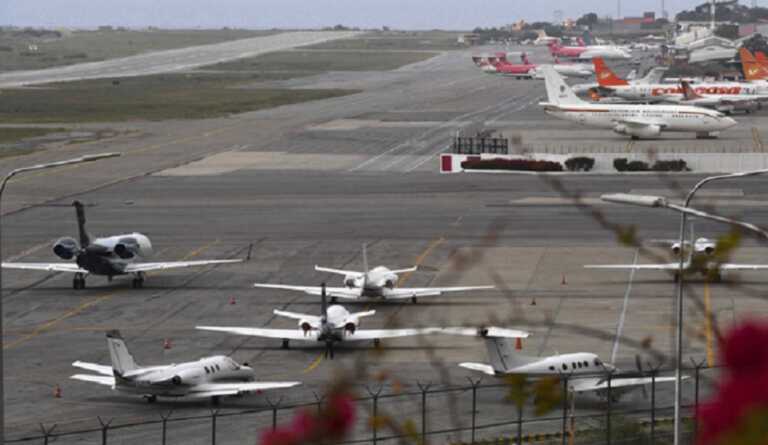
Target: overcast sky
406, 14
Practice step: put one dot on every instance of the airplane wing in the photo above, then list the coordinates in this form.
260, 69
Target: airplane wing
48, 267
479, 367
147, 267
406, 270
312, 319
288, 334
338, 271
584, 385
206, 390
101, 369
488, 332
667, 266
100, 379
729, 266
338, 292
411, 292
373, 334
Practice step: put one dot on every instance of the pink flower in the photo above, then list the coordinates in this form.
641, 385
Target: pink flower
335, 420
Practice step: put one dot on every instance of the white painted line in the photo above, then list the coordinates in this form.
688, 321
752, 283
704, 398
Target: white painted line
622, 317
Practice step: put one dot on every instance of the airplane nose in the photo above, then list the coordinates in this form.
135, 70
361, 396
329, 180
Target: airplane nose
730, 122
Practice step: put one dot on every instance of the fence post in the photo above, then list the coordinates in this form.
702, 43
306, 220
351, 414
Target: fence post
608, 411
319, 399
564, 378
424, 389
654, 372
475, 384
274, 406
519, 424
47, 432
375, 412
165, 418
698, 366
104, 428
214, 415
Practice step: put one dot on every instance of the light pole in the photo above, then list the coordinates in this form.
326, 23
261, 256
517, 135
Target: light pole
82, 159
685, 210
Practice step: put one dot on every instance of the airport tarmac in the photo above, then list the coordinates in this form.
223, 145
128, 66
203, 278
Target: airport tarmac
306, 195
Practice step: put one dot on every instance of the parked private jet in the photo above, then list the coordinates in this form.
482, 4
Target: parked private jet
585, 371
109, 256
701, 259
379, 282
637, 121
334, 325
210, 377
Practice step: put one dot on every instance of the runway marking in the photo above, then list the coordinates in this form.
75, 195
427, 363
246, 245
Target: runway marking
623, 315
90, 303
708, 326
757, 139
419, 259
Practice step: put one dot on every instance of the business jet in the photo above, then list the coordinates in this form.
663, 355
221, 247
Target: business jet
701, 259
588, 52
109, 256
335, 324
636, 121
585, 371
210, 377
377, 283
544, 39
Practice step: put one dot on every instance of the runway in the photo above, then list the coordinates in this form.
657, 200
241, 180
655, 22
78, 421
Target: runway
307, 195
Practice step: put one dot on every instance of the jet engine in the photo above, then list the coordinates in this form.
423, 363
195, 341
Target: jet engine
349, 281
305, 326
647, 131
482, 332
389, 284
66, 248
126, 248
709, 250
676, 248
350, 327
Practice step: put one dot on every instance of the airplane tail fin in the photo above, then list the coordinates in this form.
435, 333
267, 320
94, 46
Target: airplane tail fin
753, 70
122, 360
688, 92
653, 76
606, 77
365, 264
503, 356
85, 240
558, 92
760, 56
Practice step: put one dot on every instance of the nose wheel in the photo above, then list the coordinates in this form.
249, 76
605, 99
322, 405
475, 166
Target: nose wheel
79, 281
138, 281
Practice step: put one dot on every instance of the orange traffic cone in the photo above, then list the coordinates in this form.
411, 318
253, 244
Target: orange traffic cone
232, 301
518, 344
563, 282
57, 391
167, 343
533, 301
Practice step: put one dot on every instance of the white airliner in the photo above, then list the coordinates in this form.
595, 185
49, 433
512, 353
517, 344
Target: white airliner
653, 76
210, 377
637, 121
334, 325
379, 282
585, 371
700, 260
726, 103
109, 256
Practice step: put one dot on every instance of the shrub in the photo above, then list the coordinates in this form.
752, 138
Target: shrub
620, 164
677, 165
580, 163
512, 164
624, 165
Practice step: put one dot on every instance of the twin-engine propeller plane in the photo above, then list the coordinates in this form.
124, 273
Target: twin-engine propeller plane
109, 256
585, 371
334, 325
210, 377
379, 282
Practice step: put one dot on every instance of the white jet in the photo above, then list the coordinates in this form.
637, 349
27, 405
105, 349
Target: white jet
637, 121
379, 282
727, 103
334, 325
700, 260
108, 256
210, 377
585, 371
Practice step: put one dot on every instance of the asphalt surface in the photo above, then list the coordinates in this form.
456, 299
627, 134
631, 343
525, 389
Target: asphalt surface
308, 184
156, 62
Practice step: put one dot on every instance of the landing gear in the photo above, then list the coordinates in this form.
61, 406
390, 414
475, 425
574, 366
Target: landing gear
286, 344
215, 400
707, 135
79, 281
138, 280
334, 300
376, 343
414, 300
151, 398
677, 277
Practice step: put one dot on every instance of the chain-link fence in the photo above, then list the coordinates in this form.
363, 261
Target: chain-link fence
480, 411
